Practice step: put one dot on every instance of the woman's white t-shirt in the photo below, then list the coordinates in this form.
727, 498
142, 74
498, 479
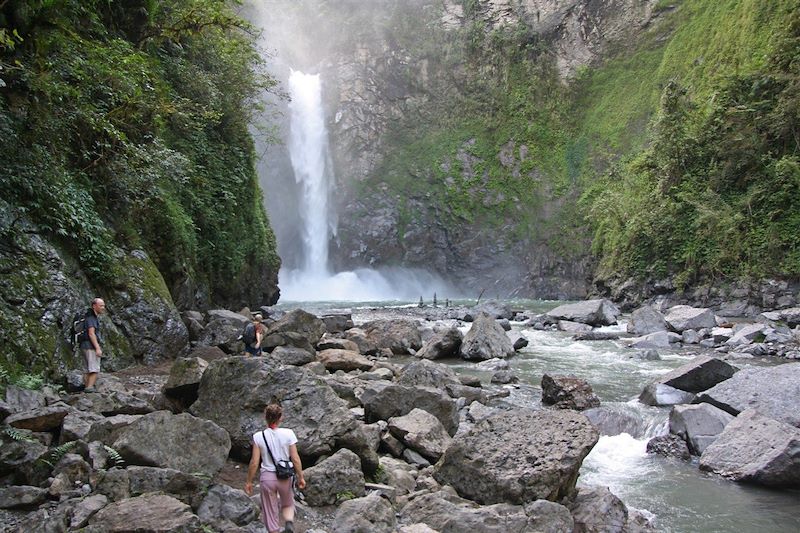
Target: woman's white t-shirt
279, 441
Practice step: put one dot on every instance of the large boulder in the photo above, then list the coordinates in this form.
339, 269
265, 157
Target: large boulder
224, 505
398, 335
183, 442
426, 373
370, 514
598, 510
234, 392
345, 360
301, 322
422, 432
485, 340
701, 373
188, 488
184, 379
698, 424
790, 316
223, 330
756, 449
446, 512
658, 394
646, 320
773, 391
592, 312
151, 513
683, 317
47, 418
383, 401
331, 478
493, 308
568, 392
442, 344
518, 457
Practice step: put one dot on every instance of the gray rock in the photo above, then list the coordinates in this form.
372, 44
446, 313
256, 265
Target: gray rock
657, 340
415, 459
658, 394
505, 324
22, 497
85, 509
568, 392
690, 336
577, 328
344, 360
791, 316
610, 420
184, 379
756, 449
698, 424
518, 341
77, 424
292, 355
399, 335
700, 374
114, 484
720, 335
74, 467
151, 513
106, 430
745, 334
442, 344
223, 330
299, 322
596, 336
391, 445
150, 441
504, 377
683, 317
547, 456
485, 340
773, 391
646, 320
370, 514
597, 510
493, 308
422, 432
188, 488
47, 418
332, 478
19, 399
235, 390
647, 354
337, 322
328, 342
111, 402
383, 401
591, 312
225, 504
426, 373
669, 446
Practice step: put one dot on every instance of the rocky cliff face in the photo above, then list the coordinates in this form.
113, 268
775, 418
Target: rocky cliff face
398, 72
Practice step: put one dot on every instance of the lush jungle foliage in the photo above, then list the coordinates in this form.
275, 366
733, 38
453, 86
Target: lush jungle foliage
124, 124
716, 193
683, 145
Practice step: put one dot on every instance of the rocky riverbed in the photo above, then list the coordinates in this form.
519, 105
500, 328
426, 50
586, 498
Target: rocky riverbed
395, 436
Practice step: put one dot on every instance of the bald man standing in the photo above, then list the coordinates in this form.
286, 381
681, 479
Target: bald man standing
90, 345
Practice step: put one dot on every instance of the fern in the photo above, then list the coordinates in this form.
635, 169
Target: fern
114, 455
59, 452
18, 435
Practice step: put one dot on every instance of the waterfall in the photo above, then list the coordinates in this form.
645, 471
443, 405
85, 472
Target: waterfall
313, 173
308, 148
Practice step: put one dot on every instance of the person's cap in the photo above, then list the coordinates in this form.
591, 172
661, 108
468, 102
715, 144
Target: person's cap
257, 317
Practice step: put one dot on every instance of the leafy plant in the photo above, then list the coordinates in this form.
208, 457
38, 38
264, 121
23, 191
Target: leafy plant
18, 435
114, 455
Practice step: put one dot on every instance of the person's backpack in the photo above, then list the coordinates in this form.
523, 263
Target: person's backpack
77, 332
249, 334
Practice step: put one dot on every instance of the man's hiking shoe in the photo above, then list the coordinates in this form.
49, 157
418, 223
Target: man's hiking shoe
89, 389
289, 527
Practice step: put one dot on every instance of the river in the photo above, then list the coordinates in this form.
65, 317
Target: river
679, 497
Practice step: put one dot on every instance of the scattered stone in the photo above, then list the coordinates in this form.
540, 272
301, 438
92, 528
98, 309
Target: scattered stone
646, 320
698, 424
383, 401
22, 497
658, 394
149, 513
422, 432
442, 345
669, 446
344, 360
683, 317
85, 509
224, 504
372, 513
591, 312
700, 374
485, 340
333, 477
292, 355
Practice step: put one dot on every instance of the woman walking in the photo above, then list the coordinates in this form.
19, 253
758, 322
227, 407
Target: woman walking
270, 446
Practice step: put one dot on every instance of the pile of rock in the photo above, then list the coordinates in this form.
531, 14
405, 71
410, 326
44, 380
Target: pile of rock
743, 424
393, 447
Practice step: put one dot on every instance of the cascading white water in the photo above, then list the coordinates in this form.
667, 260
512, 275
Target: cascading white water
308, 147
313, 281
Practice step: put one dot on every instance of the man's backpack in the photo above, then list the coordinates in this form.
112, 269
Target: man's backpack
249, 334
77, 332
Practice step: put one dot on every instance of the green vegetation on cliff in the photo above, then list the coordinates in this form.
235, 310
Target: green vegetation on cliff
715, 194
124, 125
682, 143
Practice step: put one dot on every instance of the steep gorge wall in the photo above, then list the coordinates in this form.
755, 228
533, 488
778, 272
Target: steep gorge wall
430, 177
